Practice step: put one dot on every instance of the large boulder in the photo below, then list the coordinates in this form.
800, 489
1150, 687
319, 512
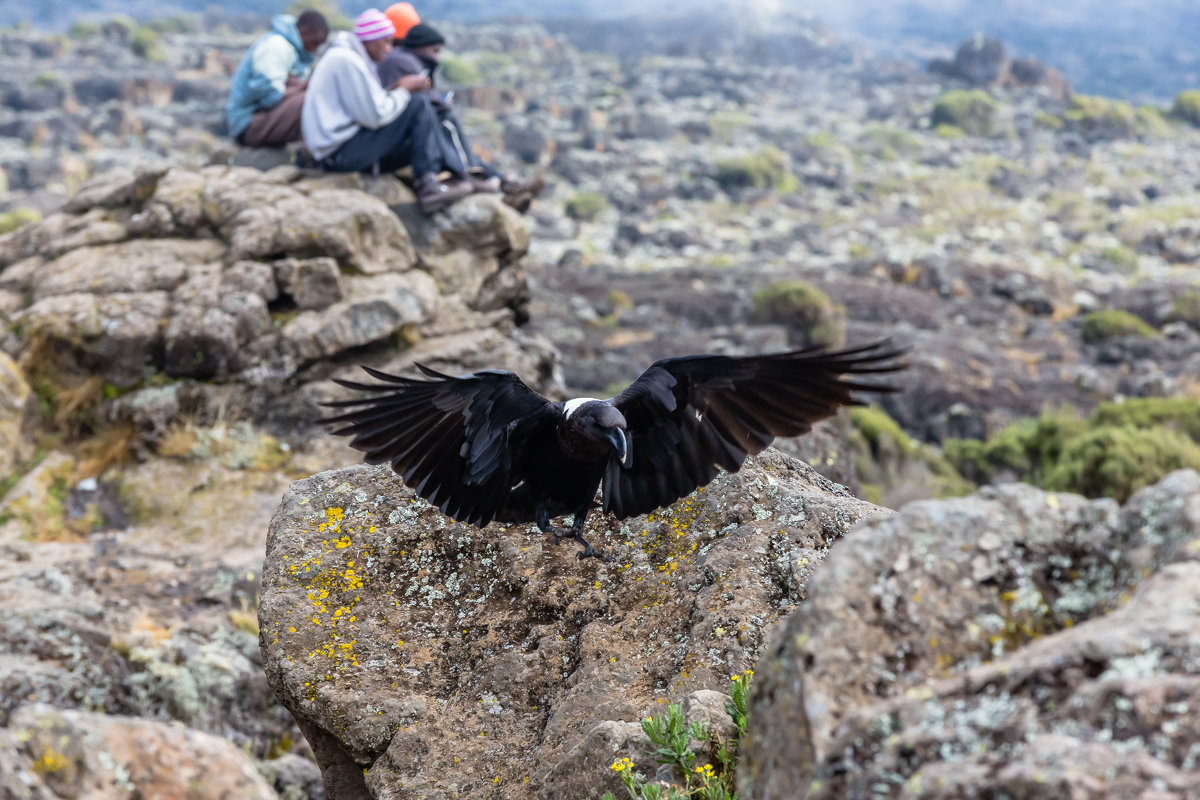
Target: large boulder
65, 754
1014, 643
249, 278
424, 657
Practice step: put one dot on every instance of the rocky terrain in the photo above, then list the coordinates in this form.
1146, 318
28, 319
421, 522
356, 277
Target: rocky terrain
175, 308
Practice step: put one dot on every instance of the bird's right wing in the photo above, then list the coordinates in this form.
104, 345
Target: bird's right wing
461, 443
689, 416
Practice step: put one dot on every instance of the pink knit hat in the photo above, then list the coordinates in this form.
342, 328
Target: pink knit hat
372, 24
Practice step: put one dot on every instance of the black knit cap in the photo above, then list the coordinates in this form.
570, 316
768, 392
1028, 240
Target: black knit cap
422, 35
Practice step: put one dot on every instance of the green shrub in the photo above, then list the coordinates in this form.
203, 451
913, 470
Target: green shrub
1116, 462
822, 140
724, 125
810, 316
586, 206
1047, 120
330, 9
459, 70
880, 430
1187, 107
146, 43
1177, 413
674, 741
48, 80
766, 169
973, 111
11, 220
1121, 258
888, 143
1101, 118
119, 26
1112, 453
948, 131
493, 63
1151, 122
1186, 308
83, 29
176, 23
1111, 323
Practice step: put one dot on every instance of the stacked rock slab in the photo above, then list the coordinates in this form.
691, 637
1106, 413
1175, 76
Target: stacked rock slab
1010, 644
264, 283
427, 658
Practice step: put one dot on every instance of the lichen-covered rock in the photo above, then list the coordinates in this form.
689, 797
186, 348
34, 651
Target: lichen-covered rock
115, 336
1013, 642
255, 281
424, 657
356, 229
75, 754
16, 410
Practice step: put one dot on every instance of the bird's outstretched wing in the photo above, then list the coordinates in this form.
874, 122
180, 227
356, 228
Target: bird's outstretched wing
461, 443
689, 416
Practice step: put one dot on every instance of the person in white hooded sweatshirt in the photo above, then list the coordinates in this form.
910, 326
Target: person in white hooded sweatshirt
351, 123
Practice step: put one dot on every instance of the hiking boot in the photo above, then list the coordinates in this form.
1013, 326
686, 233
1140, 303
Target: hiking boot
433, 196
519, 194
485, 185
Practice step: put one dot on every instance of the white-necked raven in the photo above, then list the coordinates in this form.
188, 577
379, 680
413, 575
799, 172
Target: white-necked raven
485, 446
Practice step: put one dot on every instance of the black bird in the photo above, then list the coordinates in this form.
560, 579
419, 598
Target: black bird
485, 446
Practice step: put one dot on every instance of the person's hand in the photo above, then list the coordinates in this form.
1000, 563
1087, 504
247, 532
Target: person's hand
411, 83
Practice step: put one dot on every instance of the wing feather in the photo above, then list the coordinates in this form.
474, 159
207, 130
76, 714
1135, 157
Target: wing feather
689, 416
462, 443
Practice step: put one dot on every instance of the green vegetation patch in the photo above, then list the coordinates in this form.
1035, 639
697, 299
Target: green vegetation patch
11, 220
146, 43
766, 169
973, 111
459, 70
1119, 449
703, 766
1100, 117
586, 206
1186, 308
1186, 107
810, 316
725, 125
1113, 323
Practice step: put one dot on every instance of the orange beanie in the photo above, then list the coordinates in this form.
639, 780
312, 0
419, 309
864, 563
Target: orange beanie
403, 16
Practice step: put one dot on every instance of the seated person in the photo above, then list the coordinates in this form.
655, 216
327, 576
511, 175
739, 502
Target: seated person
419, 53
267, 92
403, 17
352, 124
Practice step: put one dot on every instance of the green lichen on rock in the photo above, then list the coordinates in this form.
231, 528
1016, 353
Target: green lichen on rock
1113, 323
973, 111
769, 168
810, 316
1186, 107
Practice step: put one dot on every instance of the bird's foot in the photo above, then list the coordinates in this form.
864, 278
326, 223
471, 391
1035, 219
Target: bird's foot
559, 533
588, 551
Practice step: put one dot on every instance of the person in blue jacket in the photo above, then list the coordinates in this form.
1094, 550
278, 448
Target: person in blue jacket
267, 92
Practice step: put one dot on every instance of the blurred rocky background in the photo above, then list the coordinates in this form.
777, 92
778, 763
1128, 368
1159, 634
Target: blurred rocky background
1010, 191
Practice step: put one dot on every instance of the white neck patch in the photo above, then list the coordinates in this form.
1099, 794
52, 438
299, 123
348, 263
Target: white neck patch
571, 406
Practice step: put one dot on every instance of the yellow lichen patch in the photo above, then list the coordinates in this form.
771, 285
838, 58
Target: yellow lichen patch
50, 760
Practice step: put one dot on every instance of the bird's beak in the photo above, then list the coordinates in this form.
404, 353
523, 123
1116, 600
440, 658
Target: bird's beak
617, 437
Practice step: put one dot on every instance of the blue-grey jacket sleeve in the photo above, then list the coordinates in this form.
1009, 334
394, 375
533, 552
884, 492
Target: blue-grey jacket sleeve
398, 63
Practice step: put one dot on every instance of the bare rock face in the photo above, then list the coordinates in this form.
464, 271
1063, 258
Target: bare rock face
1014, 643
55, 754
426, 658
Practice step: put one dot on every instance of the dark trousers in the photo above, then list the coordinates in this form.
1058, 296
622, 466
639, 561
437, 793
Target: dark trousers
411, 138
456, 149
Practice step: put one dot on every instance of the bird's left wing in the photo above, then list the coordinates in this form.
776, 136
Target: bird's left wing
689, 416
461, 443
